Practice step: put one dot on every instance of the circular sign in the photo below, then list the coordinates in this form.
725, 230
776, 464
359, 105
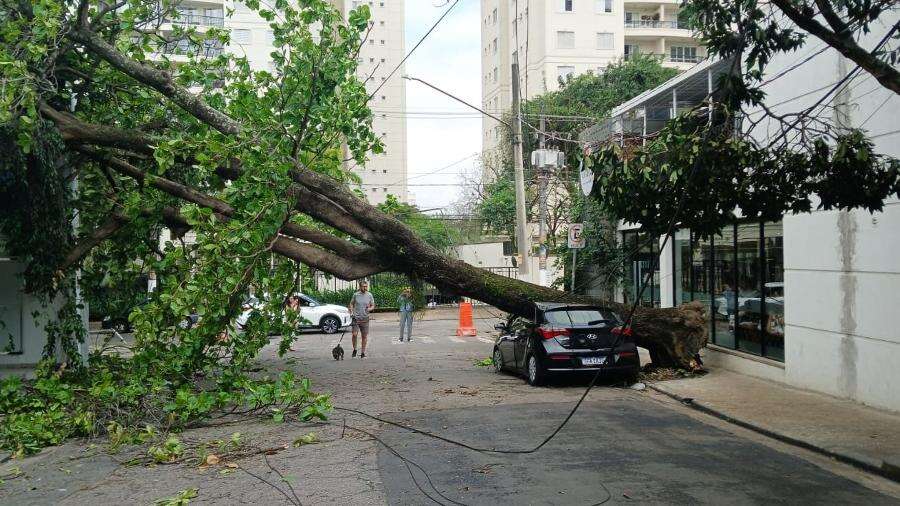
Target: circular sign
587, 180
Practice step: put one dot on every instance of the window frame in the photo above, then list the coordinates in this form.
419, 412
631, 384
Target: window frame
612, 41
559, 39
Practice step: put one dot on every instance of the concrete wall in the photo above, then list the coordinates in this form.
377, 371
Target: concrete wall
842, 269
27, 334
487, 255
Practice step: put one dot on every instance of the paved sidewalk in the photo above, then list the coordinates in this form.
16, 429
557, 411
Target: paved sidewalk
848, 431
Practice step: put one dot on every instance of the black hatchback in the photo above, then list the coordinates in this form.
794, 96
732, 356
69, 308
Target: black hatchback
565, 338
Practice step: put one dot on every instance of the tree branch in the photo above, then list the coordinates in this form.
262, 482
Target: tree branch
115, 223
883, 72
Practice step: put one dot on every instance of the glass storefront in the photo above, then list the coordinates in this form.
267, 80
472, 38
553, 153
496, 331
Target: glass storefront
740, 274
641, 252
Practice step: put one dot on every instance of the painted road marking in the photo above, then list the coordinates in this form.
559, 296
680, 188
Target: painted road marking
485, 340
456, 339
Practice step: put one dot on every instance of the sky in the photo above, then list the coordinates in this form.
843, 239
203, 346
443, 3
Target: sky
449, 59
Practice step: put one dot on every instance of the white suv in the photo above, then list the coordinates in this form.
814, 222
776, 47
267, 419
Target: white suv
328, 317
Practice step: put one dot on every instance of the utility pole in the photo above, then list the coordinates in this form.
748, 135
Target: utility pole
521, 223
542, 188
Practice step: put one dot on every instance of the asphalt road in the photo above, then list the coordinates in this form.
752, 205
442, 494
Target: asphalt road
622, 446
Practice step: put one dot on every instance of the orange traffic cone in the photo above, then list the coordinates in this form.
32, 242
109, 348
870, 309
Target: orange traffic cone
466, 325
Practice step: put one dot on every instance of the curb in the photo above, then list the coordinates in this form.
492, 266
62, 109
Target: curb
885, 470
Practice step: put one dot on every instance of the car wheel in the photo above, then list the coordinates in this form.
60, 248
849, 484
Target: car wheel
330, 324
534, 371
497, 360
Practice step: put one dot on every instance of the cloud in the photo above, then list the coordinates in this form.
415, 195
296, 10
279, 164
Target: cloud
450, 58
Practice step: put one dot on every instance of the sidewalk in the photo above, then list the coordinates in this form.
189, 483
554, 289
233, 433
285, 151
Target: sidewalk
847, 431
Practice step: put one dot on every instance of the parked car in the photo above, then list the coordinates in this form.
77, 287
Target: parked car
329, 318
565, 338
122, 325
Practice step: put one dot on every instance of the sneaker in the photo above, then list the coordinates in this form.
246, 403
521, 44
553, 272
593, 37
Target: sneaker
362, 355
354, 354
401, 339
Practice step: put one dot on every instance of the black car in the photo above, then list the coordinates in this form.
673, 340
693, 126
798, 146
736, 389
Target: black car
565, 338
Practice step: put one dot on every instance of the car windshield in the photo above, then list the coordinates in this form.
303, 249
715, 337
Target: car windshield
311, 300
580, 316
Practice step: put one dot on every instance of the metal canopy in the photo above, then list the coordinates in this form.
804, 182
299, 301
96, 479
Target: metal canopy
649, 111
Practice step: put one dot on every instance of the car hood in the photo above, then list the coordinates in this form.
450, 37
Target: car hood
335, 308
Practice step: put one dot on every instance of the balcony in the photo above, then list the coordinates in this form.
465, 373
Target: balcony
188, 19
185, 47
667, 58
650, 23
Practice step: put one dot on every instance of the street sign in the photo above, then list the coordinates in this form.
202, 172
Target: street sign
576, 237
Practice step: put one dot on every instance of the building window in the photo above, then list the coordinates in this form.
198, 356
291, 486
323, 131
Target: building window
242, 36
603, 6
381, 23
605, 40
565, 40
565, 5
631, 50
270, 37
563, 72
382, 42
494, 16
494, 75
494, 46
683, 54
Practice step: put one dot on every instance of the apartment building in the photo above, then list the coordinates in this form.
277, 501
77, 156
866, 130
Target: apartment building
380, 53
555, 39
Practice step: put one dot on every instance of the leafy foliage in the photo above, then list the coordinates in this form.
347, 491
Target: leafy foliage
431, 229
304, 109
581, 101
706, 170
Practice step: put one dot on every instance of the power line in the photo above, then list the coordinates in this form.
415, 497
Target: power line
421, 40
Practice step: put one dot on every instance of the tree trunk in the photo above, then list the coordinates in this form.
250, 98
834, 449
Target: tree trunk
674, 336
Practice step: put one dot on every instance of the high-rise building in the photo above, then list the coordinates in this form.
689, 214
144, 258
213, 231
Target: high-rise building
380, 53
555, 39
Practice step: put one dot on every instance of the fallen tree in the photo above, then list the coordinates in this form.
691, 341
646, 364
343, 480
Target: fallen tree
171, 138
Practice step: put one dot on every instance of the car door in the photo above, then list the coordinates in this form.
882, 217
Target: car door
506, 343
520, 341
310, 312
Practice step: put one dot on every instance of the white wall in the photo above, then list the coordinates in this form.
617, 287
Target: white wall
842, 269
16, 310
490, 254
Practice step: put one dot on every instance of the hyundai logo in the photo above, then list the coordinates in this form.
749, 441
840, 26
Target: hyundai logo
591, 336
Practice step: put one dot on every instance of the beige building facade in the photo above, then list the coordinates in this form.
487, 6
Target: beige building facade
380, 53
555, 39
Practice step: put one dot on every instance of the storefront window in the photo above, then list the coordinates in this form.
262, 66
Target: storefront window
739, 274
773, 290
640, 250
724, 294
749, 298
684, 288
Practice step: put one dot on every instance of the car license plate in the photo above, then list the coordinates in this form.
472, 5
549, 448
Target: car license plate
593, 360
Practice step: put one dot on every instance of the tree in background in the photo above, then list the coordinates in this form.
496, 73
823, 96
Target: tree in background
580, 102
706, 164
